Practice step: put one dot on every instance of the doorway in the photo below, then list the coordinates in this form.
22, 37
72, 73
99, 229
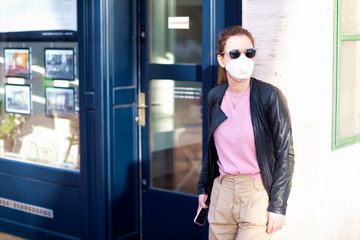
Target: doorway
171, 129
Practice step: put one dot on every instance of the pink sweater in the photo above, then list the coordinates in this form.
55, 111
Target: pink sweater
234, 138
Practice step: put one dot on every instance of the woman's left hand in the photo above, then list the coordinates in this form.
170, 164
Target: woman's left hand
275, 222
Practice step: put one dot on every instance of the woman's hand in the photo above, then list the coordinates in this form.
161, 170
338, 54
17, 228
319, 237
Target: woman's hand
275, 222
202, 199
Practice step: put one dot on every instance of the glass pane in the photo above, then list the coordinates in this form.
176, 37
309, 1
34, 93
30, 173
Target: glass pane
349, 89
175, 40
176, 134
39, 120
350, 17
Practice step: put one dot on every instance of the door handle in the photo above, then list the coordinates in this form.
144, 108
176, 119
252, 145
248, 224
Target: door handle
141, 118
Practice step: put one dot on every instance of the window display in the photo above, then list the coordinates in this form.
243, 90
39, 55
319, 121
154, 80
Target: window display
17, 99
17, 62
59, 64
39, 114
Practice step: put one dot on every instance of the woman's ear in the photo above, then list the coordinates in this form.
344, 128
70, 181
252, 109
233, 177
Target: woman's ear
221, 61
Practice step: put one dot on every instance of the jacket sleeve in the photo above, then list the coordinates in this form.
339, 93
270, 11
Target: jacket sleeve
203, 179
280, 125
202, 184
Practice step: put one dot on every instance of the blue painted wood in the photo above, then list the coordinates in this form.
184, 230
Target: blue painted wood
110, 78
89, 100
124, 95
173, 215
181, 72
40, 173
93, 163
87, 118
124, 167
123, 16
63, 200
233, 10
88, 180
123, 191
98, 78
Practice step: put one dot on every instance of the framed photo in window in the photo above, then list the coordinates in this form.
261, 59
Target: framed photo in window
59, 64
59, 102
17, 62
18, 99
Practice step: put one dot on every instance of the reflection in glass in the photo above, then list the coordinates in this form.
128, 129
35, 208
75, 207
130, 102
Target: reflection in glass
44, 138
176, 134
349, 89
171, 46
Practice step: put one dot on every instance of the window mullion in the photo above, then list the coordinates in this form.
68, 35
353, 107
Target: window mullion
354, 37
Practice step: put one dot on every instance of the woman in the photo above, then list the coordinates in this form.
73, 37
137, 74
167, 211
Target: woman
250, 159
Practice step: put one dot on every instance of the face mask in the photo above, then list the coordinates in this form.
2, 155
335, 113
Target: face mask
241, 68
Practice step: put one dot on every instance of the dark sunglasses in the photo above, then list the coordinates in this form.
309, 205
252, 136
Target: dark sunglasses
235, 53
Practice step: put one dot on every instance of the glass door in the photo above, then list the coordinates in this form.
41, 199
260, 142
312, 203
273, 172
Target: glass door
175, 135
171, 136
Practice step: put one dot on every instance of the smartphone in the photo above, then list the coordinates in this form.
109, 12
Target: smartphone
201, 215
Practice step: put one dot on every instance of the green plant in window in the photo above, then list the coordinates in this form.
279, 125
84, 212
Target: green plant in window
10, 126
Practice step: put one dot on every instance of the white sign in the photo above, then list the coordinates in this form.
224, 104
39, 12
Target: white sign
178, 22
39, 15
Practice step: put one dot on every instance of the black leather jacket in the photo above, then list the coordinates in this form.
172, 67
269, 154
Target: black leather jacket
273, 139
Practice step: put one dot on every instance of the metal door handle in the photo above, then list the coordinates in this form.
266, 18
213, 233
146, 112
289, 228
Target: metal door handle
141, 110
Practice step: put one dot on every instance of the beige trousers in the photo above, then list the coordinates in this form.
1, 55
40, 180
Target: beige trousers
238, 209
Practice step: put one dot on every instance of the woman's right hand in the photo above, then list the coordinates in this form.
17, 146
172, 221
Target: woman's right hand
202, 199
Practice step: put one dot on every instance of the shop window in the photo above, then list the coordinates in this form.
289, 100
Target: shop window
346, 124
39, 103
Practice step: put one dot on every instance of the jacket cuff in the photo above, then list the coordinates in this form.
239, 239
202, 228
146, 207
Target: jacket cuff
201, 191
277, 210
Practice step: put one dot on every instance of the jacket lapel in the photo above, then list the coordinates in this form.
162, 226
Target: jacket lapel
218, 115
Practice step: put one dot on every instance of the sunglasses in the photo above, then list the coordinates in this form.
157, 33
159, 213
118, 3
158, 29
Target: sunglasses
235, 53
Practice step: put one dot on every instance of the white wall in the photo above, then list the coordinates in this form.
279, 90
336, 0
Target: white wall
295, 52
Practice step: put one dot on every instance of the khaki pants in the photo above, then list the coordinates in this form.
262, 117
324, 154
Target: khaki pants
238, 209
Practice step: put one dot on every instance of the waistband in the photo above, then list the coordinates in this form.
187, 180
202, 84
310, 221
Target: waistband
237, 178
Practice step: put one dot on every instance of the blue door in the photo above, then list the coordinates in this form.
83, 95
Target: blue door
171, 128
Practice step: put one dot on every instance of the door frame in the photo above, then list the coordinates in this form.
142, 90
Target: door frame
152, 197
214, 20
108, 47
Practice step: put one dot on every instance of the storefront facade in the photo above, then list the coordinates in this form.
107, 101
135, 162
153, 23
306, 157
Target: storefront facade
103, 113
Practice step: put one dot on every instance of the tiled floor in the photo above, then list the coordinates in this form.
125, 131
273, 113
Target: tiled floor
4, 236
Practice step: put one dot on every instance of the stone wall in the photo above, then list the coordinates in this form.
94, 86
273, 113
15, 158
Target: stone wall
295, 52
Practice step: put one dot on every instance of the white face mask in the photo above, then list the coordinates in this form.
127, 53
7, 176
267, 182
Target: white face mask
241, 68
